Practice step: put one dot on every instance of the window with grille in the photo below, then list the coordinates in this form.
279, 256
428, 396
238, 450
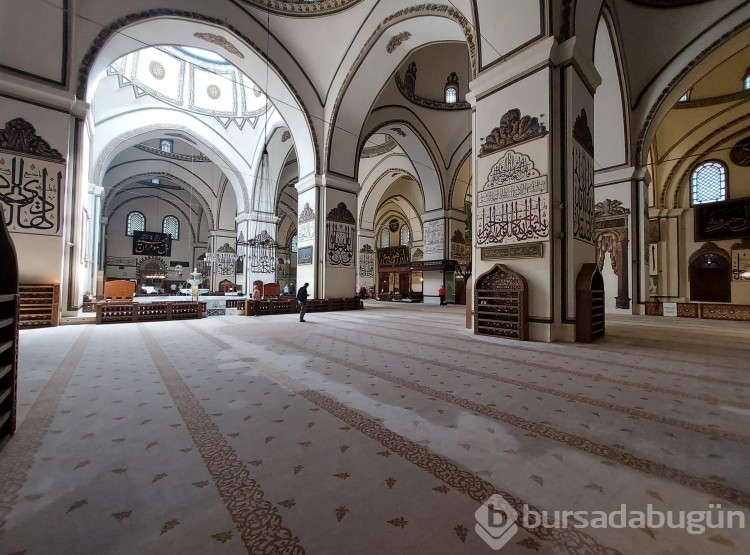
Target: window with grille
709, 183
404, 235
451, 95
385, 238
136, 222
746, 81
171, 225
167, 145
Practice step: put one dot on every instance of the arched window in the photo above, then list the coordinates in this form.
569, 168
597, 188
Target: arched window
171, 225
746, 80
294, 243
385, 238
136, 222
404, 235
708, 183
167, 145
451, 89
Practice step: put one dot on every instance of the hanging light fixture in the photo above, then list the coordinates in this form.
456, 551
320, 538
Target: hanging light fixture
260, 248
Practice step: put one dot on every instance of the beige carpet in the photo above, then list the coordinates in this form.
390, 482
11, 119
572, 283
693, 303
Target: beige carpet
379, 431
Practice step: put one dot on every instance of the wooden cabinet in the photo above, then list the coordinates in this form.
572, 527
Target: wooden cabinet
39, 305
501, 304
8, 334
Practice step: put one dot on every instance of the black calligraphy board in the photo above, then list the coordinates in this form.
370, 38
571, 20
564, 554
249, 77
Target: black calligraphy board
393, 256
151, 243
722, 220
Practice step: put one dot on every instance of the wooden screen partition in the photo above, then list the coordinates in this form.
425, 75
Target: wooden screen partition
501, 304
271, 290
8, 334
589, 304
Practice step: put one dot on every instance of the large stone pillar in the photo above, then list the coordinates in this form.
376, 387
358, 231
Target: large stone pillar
327, 235
533, 178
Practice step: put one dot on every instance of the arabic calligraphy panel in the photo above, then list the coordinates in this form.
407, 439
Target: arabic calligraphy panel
434, 237
513, 204
723, 220
31, 194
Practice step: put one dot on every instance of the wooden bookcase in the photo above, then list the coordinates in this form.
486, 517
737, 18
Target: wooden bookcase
589, 304
501, 304
8, 334
39, 305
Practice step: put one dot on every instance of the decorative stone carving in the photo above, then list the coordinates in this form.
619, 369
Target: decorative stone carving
612, 237
397, 41
20, 136
609, 207
582, 132
285, 136
301, 8
378, 150
221, 42
513, 130
173, 155
398, 131
306, 229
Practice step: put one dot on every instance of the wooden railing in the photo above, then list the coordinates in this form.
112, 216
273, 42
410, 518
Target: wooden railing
108, 312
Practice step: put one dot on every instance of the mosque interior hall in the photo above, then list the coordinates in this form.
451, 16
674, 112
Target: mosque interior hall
502, 250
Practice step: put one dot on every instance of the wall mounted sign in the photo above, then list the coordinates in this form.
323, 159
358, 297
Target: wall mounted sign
741, 262
121, 261
150, 243
529, 250
304, 256
722, 220
513, 203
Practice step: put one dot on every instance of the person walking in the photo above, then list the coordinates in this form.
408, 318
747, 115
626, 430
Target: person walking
256, 301
441, 294
302, 301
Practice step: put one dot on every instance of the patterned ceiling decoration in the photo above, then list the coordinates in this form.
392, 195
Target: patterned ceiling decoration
513, 130
397, 41
303, 7
219, 41
166, 74
740, 153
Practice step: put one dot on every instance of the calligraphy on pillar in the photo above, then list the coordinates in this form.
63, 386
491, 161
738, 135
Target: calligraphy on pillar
513, 203
583, 219
31, 193
434, 237
341, 235
306, 229
366, 261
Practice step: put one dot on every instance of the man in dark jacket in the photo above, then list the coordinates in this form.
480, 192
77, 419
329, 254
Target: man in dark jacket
302, 301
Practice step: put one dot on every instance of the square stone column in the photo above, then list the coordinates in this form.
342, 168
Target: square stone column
533, 172
327, 235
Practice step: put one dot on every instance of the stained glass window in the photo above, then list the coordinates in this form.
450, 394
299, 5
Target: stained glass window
171, 225
136, 222
709, 183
